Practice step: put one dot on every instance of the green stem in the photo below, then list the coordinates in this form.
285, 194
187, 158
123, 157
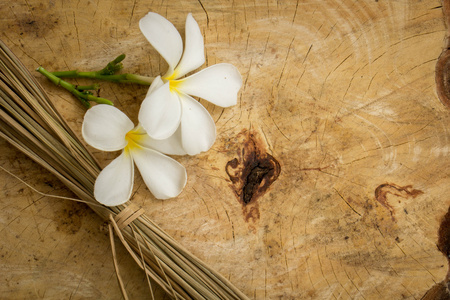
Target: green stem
108, 73
118, 78
83, 96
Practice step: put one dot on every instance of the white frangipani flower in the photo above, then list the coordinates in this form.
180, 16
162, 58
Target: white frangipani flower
107, 128
168, 106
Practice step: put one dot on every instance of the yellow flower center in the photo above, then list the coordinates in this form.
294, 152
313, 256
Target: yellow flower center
134, 138
173, 82
173, 85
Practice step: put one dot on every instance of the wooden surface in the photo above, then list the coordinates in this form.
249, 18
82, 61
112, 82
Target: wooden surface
338, 107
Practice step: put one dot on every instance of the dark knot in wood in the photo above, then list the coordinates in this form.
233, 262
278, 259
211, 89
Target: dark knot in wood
443, 64
253, 172
443, 78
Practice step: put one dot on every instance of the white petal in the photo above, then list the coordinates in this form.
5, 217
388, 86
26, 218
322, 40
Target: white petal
164, 176
172, 145
219, 84
160, 113
198, 131
115, 182
194, 49
164, 37
104, 127
156, 84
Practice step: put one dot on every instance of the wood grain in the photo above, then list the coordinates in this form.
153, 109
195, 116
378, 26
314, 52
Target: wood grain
340, 93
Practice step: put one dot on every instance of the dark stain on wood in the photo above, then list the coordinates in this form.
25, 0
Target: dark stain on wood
252, 173
400, 191
440, 291
444, 235
443, 78
444, 245
442, 72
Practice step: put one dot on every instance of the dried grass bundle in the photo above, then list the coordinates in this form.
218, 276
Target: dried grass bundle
30, 122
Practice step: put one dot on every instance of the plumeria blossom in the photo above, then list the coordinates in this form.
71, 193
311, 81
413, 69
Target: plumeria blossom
168, 106
107, 128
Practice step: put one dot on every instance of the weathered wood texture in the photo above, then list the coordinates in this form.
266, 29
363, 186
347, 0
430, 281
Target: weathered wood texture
339, 96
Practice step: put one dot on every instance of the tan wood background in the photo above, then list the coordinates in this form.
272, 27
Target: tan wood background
340, 93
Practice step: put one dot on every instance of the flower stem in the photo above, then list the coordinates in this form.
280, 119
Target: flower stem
119, 78
84, 95
108, 73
